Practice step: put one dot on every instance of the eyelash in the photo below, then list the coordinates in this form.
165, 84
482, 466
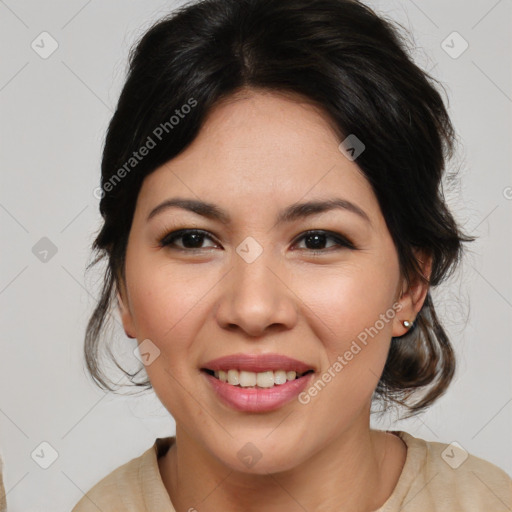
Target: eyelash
341, 241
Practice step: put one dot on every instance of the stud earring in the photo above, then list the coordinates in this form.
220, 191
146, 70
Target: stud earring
407, 324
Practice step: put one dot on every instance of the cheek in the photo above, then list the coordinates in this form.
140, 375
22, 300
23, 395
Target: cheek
168, 308
352, 309
166, 298
350, 299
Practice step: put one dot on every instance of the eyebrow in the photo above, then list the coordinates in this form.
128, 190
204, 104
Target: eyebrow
291, 213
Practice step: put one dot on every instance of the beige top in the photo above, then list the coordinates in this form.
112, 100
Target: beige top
435, 477
3, 503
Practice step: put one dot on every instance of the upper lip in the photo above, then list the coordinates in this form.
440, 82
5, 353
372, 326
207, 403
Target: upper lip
257, 363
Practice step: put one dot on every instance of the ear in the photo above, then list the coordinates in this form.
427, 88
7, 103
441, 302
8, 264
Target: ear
412, 295
125, 312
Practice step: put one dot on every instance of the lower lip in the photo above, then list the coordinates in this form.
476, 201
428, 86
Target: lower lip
258, 399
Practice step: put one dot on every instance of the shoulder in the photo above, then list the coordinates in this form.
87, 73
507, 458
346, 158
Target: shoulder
120, 489
132, 487
446, 474
3, 502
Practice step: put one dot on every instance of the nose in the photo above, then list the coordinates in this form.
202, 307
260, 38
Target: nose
257, 297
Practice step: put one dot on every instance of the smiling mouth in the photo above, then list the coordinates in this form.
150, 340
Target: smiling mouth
246, 379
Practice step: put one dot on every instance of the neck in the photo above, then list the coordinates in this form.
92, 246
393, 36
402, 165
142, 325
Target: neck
355, 471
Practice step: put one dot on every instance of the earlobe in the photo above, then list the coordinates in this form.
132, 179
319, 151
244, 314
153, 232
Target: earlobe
413, 296
125, 317
120, 302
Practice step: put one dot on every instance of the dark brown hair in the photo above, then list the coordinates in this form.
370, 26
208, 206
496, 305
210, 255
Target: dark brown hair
346, 59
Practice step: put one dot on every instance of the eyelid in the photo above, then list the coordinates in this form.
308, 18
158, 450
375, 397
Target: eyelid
178, 233
340, 239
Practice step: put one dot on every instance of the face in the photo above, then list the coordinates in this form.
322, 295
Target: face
258, 284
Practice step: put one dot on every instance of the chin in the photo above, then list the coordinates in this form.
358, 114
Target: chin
260, 458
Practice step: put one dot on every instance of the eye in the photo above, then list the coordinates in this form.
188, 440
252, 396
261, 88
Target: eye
192, 239
317, 238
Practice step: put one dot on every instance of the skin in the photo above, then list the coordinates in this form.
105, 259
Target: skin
257, 153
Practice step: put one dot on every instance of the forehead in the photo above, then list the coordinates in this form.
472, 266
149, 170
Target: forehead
261, 148
266, 126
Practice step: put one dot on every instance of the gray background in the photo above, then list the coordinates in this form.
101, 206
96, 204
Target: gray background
54, 113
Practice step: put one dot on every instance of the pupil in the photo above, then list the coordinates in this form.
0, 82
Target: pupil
191, 237
318, 243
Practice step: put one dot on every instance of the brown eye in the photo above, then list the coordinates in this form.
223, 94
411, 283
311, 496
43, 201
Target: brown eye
316, 240
191, 239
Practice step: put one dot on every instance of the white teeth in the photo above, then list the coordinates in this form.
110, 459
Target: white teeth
233, 377
280, 377
291, 375
265, 379
247, 379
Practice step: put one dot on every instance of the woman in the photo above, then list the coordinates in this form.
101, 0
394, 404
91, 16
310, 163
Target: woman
273, 222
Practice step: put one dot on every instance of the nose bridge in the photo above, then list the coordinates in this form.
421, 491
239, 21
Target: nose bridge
257, 296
